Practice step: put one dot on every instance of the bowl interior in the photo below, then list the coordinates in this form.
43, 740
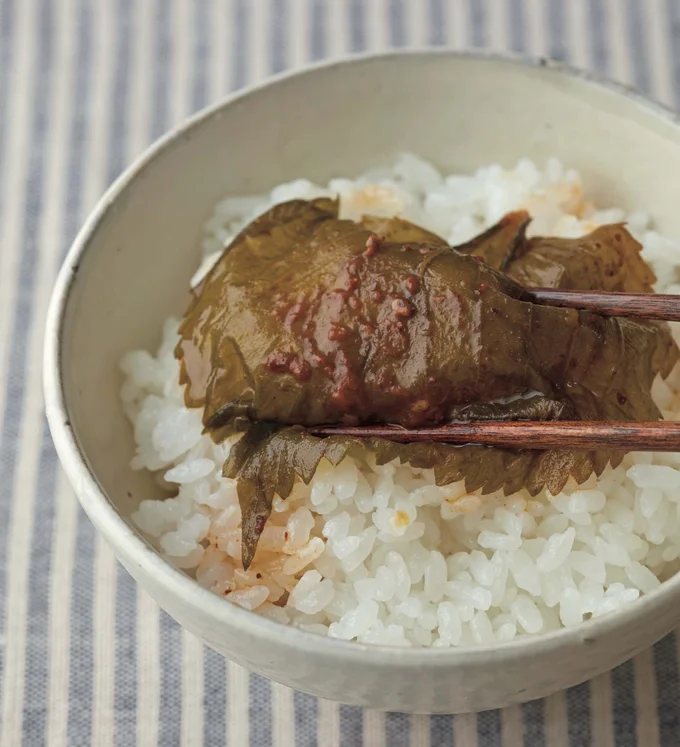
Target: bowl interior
460, 112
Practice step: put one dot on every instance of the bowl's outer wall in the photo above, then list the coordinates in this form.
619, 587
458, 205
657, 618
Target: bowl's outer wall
459, 112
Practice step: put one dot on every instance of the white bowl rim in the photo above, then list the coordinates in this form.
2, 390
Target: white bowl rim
174, 582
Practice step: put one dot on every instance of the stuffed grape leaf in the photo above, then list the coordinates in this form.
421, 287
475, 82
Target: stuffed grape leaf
307, 319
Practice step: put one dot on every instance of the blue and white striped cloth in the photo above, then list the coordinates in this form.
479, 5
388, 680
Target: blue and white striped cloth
85, 85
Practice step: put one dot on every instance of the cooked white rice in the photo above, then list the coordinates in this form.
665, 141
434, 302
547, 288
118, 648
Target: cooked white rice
381, 554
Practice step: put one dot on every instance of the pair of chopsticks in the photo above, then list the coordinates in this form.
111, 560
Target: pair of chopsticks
625, 436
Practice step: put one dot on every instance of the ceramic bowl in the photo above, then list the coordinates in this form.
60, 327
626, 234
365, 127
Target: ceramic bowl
129, 269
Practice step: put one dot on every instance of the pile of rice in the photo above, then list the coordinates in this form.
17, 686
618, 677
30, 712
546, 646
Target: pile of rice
381, 554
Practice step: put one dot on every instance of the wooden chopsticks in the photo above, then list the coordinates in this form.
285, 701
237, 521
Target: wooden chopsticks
640, 305
619, 436
625, 436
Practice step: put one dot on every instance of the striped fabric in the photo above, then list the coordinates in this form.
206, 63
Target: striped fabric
85, 85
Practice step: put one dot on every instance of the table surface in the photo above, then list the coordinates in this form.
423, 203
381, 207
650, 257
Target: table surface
85, 85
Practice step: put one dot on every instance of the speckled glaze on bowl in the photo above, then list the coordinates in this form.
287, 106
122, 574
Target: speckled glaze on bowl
129, 268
